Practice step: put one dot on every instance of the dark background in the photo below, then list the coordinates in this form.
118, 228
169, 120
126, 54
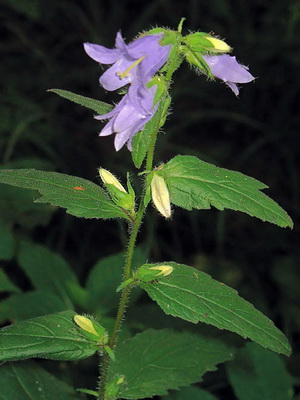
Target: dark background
257, 134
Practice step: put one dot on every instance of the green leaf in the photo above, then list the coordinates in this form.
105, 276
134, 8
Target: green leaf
154, 361
30, 305
28, 381
140, 144
47, 270
99, 106
6, 285
105, 277
196, 184
194, 296
190, 393
53, 336
79, 196
7, 242
259, 374
16, 206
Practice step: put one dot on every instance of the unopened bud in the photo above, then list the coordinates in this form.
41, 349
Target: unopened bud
149, 272
86, 324
117, 191
164, 270
91, 329
109, 179
218, 45
160, 195
113, 387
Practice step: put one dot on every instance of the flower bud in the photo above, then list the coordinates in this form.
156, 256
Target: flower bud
149, 272
91, 329
109, 179
218, 45
160, 195
201, 42
113, 387
117, 191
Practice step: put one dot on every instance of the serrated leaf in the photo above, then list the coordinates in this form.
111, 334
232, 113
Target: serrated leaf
194, 296
140, 143
53, 336
6, 285
154, 361
79, 196
259, 374
99, 106
105, 277
28, 381
196, 184
190, 393
47, 270
30, 305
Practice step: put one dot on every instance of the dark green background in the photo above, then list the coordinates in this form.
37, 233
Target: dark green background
257, 134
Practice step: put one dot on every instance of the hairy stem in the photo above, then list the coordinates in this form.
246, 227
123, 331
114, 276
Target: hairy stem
104, 366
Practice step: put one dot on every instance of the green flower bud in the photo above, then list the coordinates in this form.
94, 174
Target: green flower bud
219, 45
149, 272
113, 387
201, 42
109, 179
92, 330
160, 195
117, 191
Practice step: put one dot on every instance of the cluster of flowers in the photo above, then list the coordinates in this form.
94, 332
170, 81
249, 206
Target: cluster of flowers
133, 64
136, 64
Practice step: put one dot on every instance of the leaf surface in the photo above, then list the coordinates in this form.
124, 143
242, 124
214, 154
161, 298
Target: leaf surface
194, 296
140, 143
7, 242
155, 361
197, 184
190, 393
79, 196
28, 381
53, 336
99, 106
30, 305
6, 285
106, 276
259, 374
47, 270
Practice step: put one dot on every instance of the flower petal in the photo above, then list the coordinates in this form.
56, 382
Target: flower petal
111, 79
121, 138
227, 69
101, 53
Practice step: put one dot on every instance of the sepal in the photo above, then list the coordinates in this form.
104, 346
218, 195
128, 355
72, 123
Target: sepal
202, 42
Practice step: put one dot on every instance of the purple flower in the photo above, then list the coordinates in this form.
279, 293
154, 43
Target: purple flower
144, 54
227, 69
130, 115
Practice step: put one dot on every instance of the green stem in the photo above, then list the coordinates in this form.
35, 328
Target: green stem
104, 366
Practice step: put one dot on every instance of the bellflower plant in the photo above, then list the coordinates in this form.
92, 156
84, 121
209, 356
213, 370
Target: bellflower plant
152, 361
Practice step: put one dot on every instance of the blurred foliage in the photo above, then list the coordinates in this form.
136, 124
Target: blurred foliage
257, 134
